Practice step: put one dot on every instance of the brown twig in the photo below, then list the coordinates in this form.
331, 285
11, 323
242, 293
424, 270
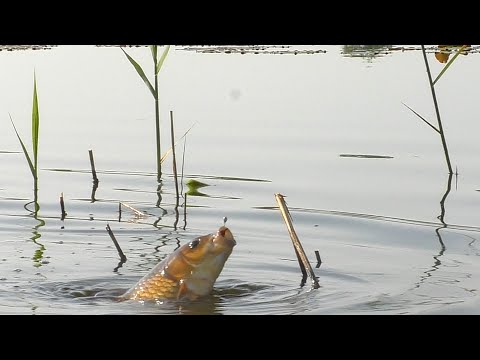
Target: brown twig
174, 158
62, 206
137, 212
301, 256
185, 211
319, 260
92, 165
123, 258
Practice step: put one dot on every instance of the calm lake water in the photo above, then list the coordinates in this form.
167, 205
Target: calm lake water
291, 120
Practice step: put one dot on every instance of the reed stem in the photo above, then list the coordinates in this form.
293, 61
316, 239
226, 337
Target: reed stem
301, 256
174, 159
440, 127
123, 258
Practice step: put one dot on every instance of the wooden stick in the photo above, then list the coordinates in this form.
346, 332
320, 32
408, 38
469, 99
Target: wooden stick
319, 260
185, 211
62, 206
92, 165
174, 158
115, 242
301, 256
183, 163
119, 211
137, 212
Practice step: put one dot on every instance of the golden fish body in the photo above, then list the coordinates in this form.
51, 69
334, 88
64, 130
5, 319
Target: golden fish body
190, 271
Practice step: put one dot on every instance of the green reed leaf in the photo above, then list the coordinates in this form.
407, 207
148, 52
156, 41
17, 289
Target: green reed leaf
35, 122
162, 59
141, 73
449, 63
30, 164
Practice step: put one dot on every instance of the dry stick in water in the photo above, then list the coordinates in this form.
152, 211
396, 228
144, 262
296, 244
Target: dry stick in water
174, 158
62, 206
137, 212
119, 211
185, 212
123, 258
92, 165
301, 256
319, 260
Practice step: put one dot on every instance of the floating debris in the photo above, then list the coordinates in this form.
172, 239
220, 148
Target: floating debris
364, 156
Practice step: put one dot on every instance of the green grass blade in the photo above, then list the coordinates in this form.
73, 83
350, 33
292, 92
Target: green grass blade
32, 168
35, 122
162, 59
140, 72
154, 48
421, 117
449, 63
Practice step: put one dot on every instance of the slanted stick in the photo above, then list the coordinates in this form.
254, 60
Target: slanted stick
92, 165
301, 256
62, 206
115, 242
137, 212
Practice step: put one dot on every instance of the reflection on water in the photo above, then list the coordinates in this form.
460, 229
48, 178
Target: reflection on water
367, 52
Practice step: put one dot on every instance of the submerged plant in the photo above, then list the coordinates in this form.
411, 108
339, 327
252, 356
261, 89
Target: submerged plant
157, 65
33, 164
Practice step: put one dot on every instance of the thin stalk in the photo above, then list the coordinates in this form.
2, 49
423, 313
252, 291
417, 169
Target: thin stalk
185, 211
440, 127
174, 159
92, 166
157, 116
301, 256
123, 258
183, 163
62, 206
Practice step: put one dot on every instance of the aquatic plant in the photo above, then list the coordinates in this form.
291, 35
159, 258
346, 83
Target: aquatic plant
33, 165
432, 83
157, 65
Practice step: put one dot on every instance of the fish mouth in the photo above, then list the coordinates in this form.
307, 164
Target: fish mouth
225, 236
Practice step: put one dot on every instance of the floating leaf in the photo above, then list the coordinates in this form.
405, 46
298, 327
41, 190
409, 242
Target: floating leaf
195, 184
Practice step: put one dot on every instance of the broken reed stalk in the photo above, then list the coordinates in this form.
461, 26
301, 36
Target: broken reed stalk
183, 163
62, 206
319, 260
185, 211
123, 258
92, 165
301, 256
440, 128
174, 158
137, 212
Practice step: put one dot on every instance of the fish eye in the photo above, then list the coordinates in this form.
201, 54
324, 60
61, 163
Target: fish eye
194, 243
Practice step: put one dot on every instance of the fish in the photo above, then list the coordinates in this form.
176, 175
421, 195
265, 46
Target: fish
189, 272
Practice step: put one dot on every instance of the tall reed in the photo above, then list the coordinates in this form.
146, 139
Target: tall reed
33, 165
157, 65
432, 83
